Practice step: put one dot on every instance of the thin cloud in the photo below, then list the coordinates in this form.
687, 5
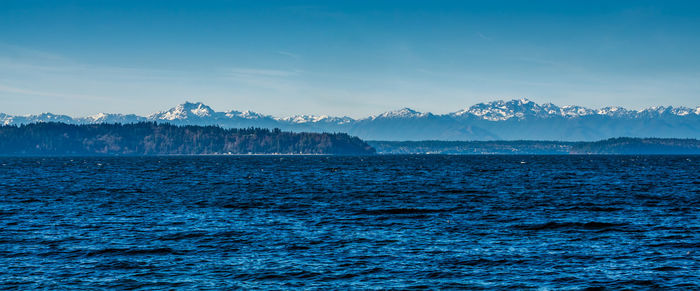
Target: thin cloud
264, 72
269, 79
21, 91
291, 55
8, 89
30, 61
24, 52
482, 36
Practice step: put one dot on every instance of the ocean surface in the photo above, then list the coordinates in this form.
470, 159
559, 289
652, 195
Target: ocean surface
375, 222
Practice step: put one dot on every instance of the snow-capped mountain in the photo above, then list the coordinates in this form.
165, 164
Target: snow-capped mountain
402, 113
305, 119
198, 113
244, 114
514, 119
572, 111
6, 119
111, 118
525, 109
185, 111
504, 110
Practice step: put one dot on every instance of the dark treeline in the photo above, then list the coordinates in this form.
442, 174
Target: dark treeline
636, 146
470, 147
149, 138
632, 146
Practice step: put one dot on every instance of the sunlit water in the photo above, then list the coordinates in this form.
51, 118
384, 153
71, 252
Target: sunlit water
351, 222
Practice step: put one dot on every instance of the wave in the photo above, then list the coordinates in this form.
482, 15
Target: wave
127, 251
401, 211
553, 225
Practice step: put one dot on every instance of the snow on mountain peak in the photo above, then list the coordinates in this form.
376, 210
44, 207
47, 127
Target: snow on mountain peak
401, 113
499, 110
524, 101
250, 114
681, 111
97, 118
245, 114
202, 110
575, 111
616, 111
504, 110
198, 109
6, 119
51, 117
185, 110
304, 118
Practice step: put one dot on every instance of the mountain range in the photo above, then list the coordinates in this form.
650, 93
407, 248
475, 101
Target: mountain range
497, 120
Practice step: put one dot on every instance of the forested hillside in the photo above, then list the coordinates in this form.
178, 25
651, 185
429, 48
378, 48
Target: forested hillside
150, 138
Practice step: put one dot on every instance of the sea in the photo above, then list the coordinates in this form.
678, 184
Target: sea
350, 222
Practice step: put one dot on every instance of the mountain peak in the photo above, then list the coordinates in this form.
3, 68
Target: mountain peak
184, 111
198, 108
615, 111
97, 118
400, 113
243, 114
304, 118
524, 101
503, 110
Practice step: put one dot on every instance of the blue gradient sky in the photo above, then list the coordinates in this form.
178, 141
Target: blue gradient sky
352, 58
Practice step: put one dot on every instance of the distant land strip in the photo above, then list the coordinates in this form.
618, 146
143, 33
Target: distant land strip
151, 138
613, 146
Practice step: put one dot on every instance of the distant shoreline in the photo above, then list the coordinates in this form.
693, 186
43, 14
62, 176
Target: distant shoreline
150, 138
157, 139
613, 146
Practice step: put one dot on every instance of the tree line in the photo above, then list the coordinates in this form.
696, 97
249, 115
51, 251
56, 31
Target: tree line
624, 146
151, 138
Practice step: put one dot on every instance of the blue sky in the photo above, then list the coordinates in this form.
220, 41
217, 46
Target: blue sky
352, 58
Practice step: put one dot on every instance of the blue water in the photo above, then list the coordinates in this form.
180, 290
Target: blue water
350, 222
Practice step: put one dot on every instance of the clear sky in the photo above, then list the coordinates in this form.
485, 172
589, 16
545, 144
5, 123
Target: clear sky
352, 58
